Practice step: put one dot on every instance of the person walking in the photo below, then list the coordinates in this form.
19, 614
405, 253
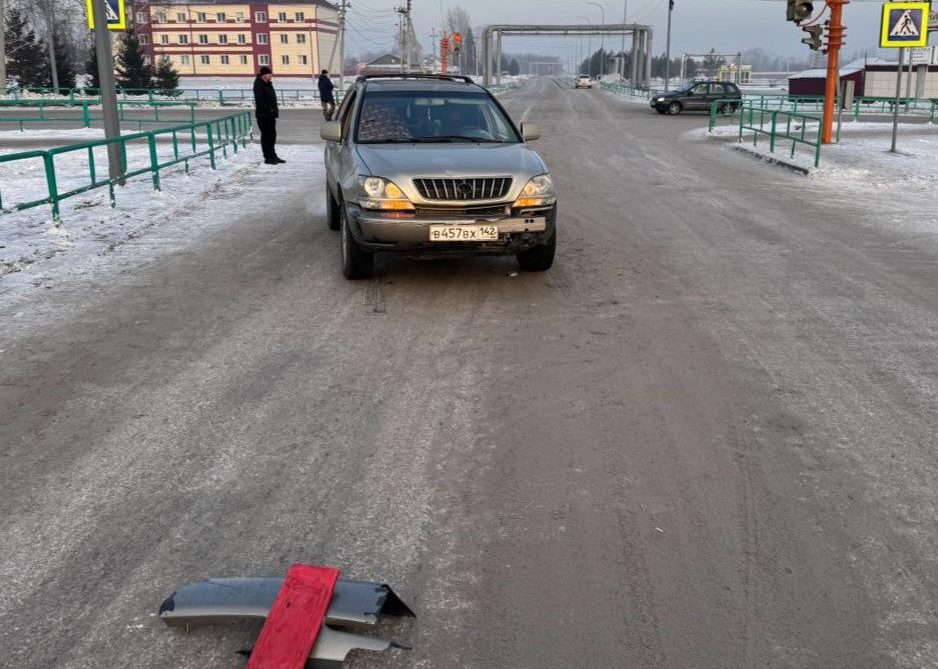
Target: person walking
325, 95
266, 111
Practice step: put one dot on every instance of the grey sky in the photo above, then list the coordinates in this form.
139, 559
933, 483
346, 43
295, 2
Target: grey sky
727, 25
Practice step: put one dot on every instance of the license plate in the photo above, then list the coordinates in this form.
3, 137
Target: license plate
463, 233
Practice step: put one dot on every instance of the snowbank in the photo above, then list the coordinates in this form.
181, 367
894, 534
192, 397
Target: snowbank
33, 248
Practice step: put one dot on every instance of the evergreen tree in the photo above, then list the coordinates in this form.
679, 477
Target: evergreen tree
63, 62
93, 79
514, 69
167, 78
133, 71
27, 59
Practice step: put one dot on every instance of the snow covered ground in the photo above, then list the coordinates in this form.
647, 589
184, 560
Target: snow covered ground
899, 187
34, 251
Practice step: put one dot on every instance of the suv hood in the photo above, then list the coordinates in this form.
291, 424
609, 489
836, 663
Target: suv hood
406, 161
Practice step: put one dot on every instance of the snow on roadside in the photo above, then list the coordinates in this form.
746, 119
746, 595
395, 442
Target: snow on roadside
34, 250
898, 187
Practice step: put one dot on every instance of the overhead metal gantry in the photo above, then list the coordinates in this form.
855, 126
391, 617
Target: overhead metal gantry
640, 55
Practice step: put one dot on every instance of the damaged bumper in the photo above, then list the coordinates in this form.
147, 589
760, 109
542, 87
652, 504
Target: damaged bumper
229, 600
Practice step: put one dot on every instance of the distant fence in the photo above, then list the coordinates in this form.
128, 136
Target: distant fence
221, 96
42, 110
189, 141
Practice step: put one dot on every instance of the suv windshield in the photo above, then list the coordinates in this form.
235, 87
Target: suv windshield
429, 117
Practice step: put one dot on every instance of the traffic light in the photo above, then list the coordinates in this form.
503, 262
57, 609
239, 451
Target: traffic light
814, 41
457, 42
799, 10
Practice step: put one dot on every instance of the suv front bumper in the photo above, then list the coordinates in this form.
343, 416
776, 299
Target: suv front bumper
378, 231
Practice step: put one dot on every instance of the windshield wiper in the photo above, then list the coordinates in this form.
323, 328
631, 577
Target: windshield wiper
454, 138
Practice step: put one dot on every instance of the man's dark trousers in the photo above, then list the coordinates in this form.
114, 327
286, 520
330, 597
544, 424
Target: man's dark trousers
268, 128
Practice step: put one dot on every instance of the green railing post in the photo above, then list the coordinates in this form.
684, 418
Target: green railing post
772, 135
221, 98
86, 114
51, 185
211, 145
713, 116
154, 161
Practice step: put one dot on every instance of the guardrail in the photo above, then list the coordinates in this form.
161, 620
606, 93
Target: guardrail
85, 106
189, 141
220, 95
777, 125
922, 107
630, 91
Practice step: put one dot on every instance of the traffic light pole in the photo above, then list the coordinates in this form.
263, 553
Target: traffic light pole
102, 42
667, 51
835, 39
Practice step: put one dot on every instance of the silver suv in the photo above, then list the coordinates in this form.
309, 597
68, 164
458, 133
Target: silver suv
433, 165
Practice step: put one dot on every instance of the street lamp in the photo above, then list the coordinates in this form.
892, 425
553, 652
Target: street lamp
589, 55
602, 39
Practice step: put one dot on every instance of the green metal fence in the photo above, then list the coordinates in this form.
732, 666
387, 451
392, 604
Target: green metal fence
781, 126
222, 96
189, 141
922, 108
42, 111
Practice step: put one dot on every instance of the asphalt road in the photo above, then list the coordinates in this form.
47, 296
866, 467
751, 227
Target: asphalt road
705, 438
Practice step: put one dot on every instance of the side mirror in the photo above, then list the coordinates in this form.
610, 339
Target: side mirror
530, 131
331, 131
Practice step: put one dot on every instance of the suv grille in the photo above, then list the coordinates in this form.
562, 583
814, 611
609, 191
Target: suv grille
485, 211
482, 188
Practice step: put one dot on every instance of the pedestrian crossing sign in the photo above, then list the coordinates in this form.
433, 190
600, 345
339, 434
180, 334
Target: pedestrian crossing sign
116, 14
904, 24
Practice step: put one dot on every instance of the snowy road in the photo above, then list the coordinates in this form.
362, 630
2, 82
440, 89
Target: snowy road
704, 439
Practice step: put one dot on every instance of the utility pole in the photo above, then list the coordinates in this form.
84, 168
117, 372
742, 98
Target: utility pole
667, 51
433, 46
625, 20
835, 35
343, 6
3, 48
340, 44
50, 42
407, 29
102, 41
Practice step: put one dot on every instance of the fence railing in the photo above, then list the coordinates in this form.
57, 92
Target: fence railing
923, 108
42, 111
188, 141
221, 96
781, 126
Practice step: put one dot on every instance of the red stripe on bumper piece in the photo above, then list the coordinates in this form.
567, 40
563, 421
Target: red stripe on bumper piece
294, 621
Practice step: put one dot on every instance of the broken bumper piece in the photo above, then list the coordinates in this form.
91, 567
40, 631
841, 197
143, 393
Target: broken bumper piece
229, 600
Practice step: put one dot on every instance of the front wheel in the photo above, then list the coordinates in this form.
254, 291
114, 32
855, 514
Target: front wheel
539, 258
674, 108
356, 263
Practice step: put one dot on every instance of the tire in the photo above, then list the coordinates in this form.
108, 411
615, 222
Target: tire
539, 258
675, 108
332, 211
356, 263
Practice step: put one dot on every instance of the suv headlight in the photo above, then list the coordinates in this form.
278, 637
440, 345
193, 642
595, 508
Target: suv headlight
659, 100
538, 192
379, 193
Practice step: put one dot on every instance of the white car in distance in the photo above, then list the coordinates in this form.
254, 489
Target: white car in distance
584, 81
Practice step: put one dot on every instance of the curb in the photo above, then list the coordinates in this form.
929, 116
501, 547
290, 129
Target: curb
804, 171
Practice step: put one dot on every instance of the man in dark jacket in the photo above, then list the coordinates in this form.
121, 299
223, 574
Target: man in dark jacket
266, 111
325, 95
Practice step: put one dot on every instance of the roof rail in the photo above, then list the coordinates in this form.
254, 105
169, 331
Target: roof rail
417, 75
